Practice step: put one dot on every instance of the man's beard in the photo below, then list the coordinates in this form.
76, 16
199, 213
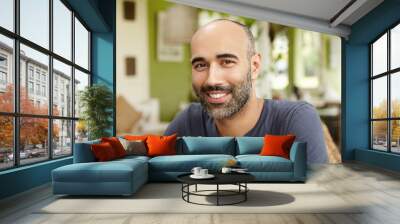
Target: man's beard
240, 95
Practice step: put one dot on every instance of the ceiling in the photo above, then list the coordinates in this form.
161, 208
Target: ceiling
326, 16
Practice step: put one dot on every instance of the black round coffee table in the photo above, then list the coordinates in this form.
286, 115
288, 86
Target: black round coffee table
238, 179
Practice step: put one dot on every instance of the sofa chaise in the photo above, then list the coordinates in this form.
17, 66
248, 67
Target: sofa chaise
125, 176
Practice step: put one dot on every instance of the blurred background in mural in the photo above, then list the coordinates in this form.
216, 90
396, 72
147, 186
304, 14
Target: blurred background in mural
154, 71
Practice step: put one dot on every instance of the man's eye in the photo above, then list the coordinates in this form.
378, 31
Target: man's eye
200, 66
227, 62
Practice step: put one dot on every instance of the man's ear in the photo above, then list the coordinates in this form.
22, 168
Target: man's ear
255, 65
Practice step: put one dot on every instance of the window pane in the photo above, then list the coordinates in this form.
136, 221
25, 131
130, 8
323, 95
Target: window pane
62, 138
379, 97
379, 55
81, 131
7, 14
62, 29
33, 140
395, 94
81, 81
35, 21
6, 142
395, 47
379, 135
6, 74
34, 97
395, 138
62, 89
81, 45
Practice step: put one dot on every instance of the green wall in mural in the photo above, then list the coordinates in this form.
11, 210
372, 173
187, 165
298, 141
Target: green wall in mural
170, 82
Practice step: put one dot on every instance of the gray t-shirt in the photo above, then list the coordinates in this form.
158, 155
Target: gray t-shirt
278, 117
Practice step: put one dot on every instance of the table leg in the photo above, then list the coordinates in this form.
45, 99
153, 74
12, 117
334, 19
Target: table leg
217, 194
188, 189
245, 193
196, 188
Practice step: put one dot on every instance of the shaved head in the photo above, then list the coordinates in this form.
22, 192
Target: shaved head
250, 38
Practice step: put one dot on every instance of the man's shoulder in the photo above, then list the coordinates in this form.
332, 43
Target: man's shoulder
288, 106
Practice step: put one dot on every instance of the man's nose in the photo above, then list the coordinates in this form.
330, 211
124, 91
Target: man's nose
215, 76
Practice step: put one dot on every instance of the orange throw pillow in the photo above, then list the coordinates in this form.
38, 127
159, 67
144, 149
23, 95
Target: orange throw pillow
116, 145
136, 137
277, 145
103, 152
161, 145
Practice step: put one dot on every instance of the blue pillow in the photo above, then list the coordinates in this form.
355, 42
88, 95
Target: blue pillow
249, 145
208, 145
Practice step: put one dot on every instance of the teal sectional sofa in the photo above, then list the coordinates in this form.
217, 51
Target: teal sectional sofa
125, 176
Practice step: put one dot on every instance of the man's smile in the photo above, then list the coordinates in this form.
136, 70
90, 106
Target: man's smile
217, 97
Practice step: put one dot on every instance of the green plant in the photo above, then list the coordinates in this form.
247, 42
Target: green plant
96, 102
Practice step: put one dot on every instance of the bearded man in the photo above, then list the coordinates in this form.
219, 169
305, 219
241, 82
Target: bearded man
225, 67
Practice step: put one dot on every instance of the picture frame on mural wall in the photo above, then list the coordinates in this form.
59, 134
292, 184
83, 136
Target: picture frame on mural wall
130, 66
129, 10
166, 52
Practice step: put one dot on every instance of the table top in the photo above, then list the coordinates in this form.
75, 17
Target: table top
220, 178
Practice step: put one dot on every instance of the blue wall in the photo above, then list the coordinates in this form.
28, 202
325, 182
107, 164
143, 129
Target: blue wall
355, 88
24, 178
103, 52
99, 16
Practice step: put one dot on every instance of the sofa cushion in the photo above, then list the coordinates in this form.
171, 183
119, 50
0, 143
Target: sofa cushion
257, 163
136, 137
161, 145
111, 171
277, 145
103, 152
133, 158
134, 147
249, 145
208, 145
185, 163
116, 145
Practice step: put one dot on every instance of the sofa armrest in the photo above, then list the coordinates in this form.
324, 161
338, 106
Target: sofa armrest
298, 155
83, 152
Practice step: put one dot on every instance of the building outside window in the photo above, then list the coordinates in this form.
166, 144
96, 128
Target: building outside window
3, 61
3, 78
30, 72
44, 77
3, 72
30, 87
37, 75
43, 90
34, 75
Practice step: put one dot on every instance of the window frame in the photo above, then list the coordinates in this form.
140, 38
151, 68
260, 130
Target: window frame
16, 115
388, 74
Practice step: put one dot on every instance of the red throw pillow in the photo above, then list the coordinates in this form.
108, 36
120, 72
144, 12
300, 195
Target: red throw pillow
103, 151
116, 145
277, 145
161, 145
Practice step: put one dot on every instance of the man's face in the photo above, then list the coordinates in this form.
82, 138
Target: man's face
221, 74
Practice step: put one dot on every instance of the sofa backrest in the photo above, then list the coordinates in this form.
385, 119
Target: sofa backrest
249, 145
206, 145
83, 152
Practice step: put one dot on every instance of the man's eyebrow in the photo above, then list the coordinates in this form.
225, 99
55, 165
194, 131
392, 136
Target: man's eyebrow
196, 59
219, 56
227, 55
